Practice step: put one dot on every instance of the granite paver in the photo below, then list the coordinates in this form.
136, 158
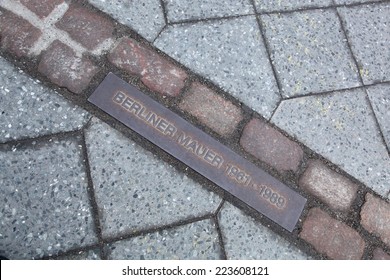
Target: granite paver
368, 32
334, 189
230, 53
309, 52
211, 109
66, 68
345, 133
375, 217
28, 109
332, 237
17, 35
379, 254
380, 99
271, 146
245, 238
136, 191
195, 241
181, 10
145, 16
45, 205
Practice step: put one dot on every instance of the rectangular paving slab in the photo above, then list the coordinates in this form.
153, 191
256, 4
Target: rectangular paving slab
45, 206
200, 151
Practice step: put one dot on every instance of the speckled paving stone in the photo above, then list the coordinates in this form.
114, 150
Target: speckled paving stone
309, 52
368, 32
18, 36
66, 69
355, 1
271, 146
211, 109
28, 109
134, 190
45, 207
332, 237
228, 52
278, 5
82, 255
380, 99
156, 72
41, 8
145, 16
379, 254
375, 217
179, 10
332, 188
85, 26
196, 241
341, 127
244, 238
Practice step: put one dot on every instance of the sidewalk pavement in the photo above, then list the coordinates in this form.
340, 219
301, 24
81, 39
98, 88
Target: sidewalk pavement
301, 89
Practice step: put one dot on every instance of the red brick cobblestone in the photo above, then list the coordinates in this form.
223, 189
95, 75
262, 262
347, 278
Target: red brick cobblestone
379, 254
330, 187
70, 67
17, 34
85, 26
332, 237
155, 71
64, 68
271, 146
375, 217
211, 109
41, 8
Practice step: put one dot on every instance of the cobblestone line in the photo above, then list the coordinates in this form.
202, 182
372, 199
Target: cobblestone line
57, 48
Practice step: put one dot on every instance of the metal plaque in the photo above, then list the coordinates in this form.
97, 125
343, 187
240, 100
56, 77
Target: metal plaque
199, 151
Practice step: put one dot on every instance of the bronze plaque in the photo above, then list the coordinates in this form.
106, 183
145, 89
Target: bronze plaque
199, 151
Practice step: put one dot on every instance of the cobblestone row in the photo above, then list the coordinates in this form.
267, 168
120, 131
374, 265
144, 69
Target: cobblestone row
73, 172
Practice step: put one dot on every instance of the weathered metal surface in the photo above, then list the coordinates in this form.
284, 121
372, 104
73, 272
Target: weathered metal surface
199, 151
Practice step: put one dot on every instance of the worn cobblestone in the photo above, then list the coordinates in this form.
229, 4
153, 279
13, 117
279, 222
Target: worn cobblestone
271, 146
211, 109
375, 217
332, 237
329, 186
156, 72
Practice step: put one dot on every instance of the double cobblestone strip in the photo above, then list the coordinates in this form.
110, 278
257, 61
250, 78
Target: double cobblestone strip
89, 173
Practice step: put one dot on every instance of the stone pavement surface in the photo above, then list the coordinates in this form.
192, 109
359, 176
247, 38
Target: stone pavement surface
300, 88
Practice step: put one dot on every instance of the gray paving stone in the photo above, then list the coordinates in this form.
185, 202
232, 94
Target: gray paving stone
228, 52
82, 255
278, 5
245, 238
354, 1
28, 109
134, 190
194, 241
179, 10
146, 17
341, 127
368, 32
380, 99
45, 207
309, 52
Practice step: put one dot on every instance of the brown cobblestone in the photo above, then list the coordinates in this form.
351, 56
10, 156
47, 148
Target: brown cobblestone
41, 8
156, 72
86, 27
375, 217
379, 254
64, 68
332, 237
211, 109
271, 146
17, 35
330, 187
